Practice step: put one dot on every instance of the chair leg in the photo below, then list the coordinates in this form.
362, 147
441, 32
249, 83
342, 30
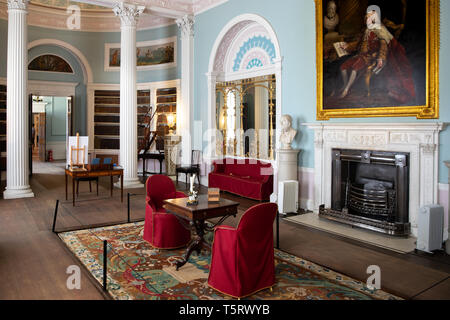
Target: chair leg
78, 184
198, 179
177, 177
186, 181
97, 185
90, 186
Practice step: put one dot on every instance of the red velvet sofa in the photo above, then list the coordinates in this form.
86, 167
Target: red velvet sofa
248, 178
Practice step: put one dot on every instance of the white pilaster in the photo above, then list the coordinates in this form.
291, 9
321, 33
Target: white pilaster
129, 15
184, 111
17, 170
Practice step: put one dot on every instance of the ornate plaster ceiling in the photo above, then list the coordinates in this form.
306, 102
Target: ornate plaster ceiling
97, 15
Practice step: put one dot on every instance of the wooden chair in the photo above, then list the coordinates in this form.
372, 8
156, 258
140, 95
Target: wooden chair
90, 185
194, 168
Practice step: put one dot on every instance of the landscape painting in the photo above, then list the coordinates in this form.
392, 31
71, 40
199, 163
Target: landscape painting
372, 58
149, 55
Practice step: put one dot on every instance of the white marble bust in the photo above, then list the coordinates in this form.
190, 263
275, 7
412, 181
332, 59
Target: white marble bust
287, 132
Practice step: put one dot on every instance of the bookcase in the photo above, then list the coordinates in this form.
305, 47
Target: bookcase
2, 129
166, 103
107, 117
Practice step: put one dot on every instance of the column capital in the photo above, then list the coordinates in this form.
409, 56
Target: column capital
186, 25
17, 4
128, 13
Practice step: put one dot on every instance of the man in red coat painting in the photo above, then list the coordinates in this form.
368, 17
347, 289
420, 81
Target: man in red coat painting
378, 50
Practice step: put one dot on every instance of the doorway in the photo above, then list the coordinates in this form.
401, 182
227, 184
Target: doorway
51, 124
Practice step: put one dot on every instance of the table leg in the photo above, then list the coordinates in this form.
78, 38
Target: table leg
73, 191
112, 186
66, 186
121, 187
195, 245
144, 168
160, 166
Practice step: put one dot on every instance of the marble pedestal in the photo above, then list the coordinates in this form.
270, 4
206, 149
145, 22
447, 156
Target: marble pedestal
287, 164
171, 151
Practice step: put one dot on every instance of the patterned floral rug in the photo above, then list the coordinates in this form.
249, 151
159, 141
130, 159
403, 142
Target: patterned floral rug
137, 271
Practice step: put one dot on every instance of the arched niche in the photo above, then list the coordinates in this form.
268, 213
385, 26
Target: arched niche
247, 47
45, 83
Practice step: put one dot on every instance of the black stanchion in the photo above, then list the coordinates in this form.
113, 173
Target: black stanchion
278, 230
105, 265
55, 215
128, 206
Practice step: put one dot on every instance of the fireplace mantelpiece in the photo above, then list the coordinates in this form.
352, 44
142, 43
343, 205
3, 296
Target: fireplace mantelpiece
420, 140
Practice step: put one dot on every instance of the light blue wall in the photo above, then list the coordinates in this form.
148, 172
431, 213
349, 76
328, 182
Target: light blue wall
92, 46
294, 24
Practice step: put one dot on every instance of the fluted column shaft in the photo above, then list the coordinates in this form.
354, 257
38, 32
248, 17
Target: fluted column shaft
186, 25
128, 97
17, 170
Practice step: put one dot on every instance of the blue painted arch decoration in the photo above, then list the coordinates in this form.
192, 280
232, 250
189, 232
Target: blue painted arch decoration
259, 43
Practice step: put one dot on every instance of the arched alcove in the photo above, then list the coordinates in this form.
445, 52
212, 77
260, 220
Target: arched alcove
45, 83
247, 47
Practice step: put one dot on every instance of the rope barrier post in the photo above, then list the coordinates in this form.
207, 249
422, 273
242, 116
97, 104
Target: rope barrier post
278, 230
55, 215
128, 207
105, 265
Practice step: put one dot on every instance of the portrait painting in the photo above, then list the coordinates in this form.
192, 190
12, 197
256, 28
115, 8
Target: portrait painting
50, 63
149, 55
377, 58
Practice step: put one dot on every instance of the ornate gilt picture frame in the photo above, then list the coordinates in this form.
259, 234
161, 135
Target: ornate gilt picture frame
377, 58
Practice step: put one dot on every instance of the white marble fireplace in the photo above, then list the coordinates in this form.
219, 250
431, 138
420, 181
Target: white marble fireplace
420, 140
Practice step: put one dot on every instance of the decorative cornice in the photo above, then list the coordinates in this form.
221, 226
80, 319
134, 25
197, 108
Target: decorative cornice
186, 25
17, 4
128, 14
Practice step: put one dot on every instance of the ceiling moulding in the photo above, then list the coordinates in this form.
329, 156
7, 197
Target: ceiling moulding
97, 15
185, 6
91, 21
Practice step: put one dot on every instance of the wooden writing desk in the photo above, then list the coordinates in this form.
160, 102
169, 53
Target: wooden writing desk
92, 174
197, 216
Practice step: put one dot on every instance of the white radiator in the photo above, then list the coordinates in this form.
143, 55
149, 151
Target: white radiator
430, 228
288, 196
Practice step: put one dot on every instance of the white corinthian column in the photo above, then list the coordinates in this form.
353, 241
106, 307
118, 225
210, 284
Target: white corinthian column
186, 25
17, 170
128, 97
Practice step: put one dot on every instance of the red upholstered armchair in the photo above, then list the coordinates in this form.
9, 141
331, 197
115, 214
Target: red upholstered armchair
242, 261
163, 230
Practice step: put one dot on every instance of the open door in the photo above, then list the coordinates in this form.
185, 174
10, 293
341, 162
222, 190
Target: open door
41, 137
69, 117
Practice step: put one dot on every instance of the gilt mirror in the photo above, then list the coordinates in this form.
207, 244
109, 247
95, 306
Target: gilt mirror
245, 117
